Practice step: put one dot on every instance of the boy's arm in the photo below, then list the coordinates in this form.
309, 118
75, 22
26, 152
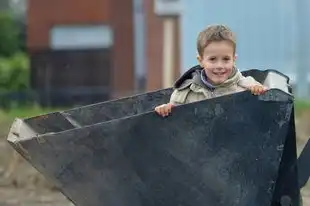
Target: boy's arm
247, 82
174, 98
165, 109
251, 84
179, 96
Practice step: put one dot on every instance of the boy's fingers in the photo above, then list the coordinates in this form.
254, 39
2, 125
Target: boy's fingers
257, 90
265, 89
252, 89
162, 110
166, 110
170, 107
157, 109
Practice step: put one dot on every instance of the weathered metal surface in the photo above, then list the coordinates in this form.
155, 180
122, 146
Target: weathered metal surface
233, 150
96, 113
216, 152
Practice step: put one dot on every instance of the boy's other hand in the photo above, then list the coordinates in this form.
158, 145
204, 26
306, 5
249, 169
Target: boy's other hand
258, 89
164, 109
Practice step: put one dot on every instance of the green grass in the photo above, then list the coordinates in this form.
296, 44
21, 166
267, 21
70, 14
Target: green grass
7, 116
301, 106
24, 112
29, 112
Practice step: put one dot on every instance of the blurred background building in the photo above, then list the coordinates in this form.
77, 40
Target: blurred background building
81, 51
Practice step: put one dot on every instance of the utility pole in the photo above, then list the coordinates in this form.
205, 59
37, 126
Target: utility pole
169, 10
168, 51
303, 48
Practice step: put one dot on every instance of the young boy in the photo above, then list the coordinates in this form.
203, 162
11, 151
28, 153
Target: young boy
216, 74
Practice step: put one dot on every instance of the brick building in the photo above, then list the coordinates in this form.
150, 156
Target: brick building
83, 51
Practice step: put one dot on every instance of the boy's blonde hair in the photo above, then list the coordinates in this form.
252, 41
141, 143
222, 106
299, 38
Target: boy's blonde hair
214, 33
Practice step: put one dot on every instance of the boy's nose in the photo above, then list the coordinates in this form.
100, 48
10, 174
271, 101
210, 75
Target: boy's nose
220, 66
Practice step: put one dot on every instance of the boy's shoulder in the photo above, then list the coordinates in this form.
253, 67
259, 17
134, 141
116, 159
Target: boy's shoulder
187, 78
182, 86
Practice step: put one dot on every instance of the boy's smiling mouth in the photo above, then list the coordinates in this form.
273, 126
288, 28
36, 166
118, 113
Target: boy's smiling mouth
219, 73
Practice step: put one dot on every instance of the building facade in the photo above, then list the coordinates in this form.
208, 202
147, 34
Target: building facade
90, 51
81, 51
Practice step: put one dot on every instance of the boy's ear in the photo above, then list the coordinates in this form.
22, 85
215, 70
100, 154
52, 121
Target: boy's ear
199, 59
235, 57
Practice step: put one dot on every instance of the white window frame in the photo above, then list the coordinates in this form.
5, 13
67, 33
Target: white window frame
80, 37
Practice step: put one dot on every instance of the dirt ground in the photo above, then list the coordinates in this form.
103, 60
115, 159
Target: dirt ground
28, 188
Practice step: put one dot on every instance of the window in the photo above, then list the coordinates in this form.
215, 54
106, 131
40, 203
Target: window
81, 37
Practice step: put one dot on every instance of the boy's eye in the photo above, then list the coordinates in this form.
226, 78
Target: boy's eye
212, 58
226, 58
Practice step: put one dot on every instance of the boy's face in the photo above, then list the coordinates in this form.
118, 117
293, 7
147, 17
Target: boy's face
218, 61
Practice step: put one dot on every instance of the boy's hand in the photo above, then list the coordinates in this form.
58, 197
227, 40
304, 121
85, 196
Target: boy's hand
258, 89
164, 109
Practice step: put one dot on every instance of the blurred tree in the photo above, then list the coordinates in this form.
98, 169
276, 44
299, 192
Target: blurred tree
9, 35
14, 73
4, 5
18, 8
